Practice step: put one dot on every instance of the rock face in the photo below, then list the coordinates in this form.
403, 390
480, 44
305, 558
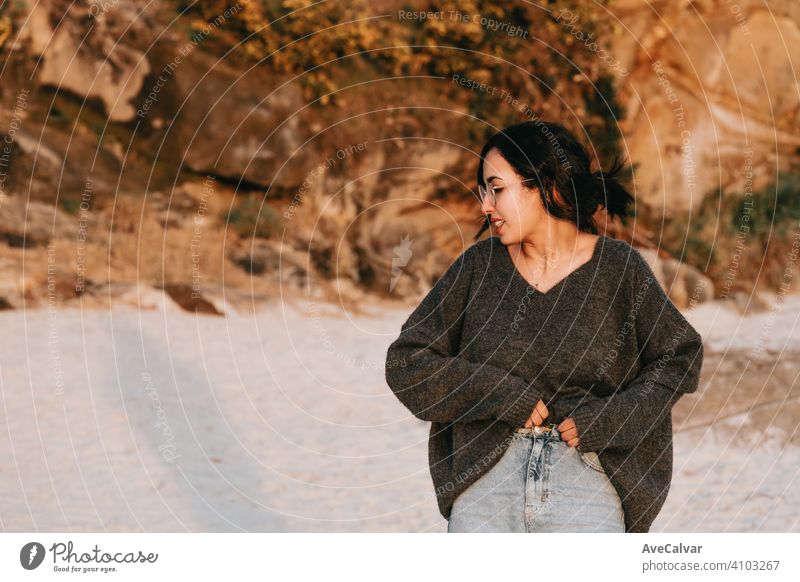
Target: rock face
711, 95
235, 124
709, 91
685, 285
81, 52
32, 224
190, 300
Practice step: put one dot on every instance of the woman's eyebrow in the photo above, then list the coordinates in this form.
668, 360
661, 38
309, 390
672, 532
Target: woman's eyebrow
490, 178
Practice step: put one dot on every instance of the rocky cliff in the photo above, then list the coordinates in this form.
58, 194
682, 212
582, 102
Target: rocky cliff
253, 149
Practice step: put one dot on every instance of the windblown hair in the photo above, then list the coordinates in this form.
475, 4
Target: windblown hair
556, 163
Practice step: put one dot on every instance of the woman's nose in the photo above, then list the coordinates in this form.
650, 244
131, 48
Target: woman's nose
486, 206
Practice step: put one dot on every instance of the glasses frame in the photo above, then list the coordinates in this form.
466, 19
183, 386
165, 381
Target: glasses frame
483, 191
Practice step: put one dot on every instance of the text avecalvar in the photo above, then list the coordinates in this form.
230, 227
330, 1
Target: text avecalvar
671, 549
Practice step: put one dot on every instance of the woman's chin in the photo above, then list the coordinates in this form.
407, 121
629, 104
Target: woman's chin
504, 235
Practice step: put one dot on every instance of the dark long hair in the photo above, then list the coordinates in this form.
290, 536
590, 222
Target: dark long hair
551, 157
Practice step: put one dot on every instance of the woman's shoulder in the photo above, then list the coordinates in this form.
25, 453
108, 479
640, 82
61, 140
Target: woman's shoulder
479, 251
627, 256
485, 247
461, 267
619, 261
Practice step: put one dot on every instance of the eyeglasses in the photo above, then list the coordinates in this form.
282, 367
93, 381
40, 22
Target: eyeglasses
491, 191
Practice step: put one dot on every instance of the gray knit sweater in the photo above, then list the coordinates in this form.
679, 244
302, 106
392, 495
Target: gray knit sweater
605, 345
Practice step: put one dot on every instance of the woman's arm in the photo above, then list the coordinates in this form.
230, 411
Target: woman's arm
672, 354
432, 381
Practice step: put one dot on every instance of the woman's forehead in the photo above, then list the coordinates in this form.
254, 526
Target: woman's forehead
496, 165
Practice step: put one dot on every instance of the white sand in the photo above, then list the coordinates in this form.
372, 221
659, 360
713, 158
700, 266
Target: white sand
775, 329
163, 421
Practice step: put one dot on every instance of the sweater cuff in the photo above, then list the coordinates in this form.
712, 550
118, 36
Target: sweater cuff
561, 408
590, 433
519, 406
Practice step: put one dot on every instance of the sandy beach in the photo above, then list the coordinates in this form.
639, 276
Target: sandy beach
160, 420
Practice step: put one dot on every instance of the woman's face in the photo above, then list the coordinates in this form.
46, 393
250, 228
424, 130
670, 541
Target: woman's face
518, 205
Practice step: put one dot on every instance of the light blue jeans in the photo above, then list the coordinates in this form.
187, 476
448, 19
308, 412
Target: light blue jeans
540, 484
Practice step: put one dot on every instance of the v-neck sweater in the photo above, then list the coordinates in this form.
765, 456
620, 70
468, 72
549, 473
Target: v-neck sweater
604, 345
574, 273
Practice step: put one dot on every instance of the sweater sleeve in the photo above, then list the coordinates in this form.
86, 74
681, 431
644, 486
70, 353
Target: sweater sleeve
671, 352
427, 375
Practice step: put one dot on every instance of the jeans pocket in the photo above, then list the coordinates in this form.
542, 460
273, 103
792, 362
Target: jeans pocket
592, 461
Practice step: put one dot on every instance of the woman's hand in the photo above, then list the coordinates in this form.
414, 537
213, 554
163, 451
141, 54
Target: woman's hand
538, 415
567, 428
569, 432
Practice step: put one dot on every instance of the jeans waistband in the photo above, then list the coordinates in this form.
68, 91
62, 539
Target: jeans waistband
549, 431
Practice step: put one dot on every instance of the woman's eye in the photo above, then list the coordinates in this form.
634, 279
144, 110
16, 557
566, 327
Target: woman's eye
497, 190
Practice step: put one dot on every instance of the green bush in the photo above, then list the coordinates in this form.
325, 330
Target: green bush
253, 218
326, 46
734, 234
69, 205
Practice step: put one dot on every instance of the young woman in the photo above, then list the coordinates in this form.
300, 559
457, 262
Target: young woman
547, 358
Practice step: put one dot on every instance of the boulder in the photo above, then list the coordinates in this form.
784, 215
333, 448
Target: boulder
33, 223
238, 124
79, 50
711, 99
685, 285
